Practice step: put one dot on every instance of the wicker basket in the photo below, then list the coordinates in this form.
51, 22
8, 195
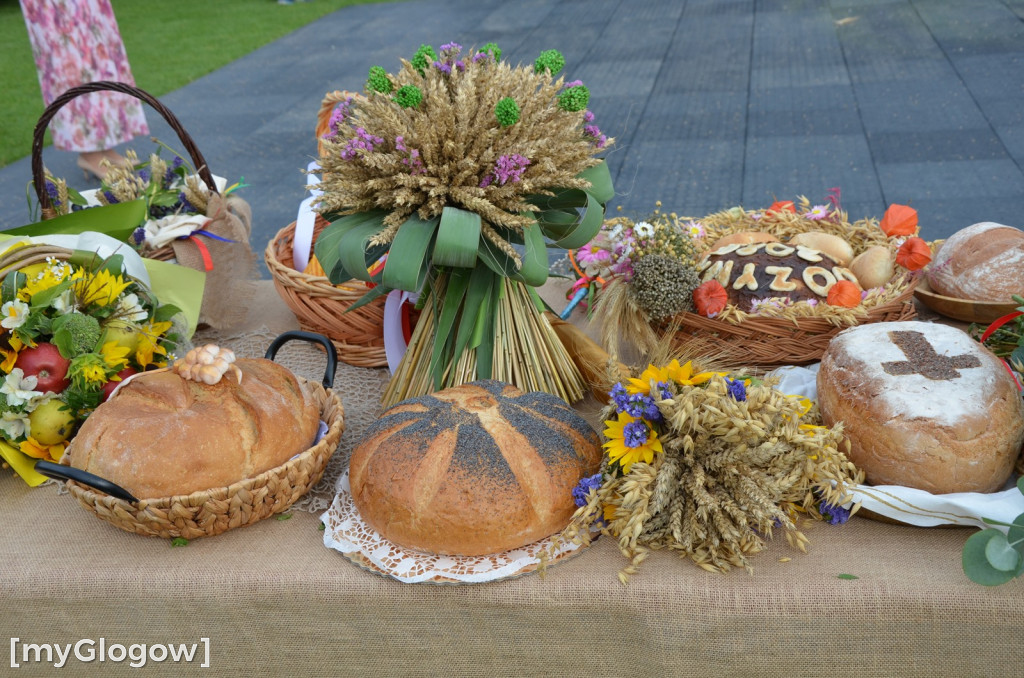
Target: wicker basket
323, 116
320, 306
210, 512
770, 342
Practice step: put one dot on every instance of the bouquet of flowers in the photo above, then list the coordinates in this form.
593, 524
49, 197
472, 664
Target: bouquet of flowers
73, 326
462, 169
710, 466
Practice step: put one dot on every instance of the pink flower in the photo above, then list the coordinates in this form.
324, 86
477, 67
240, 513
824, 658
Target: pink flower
817, 213
591, 255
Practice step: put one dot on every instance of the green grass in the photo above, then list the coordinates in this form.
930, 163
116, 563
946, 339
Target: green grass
170, 43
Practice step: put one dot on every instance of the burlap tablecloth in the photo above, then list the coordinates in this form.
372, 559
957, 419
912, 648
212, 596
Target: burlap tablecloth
274, 601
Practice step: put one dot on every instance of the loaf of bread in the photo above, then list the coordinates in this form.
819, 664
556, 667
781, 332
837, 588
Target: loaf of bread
161, 435
472, 470
762, 270
983, 262
836, 247
923, 405
874, 267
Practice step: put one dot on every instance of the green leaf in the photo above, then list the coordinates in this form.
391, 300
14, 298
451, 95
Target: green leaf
165, 313
478, 294
485, 343
458, 281
328, 244
847, 576
975, 561
600, 179
1001, 555
283, 516
44, 298
1015, 535
409, 256
1016, 358
13, 282
1020, 484
354, 251
458, 238
495, 259
534, 270
179, 541
118, 221
583, 230
322, 527
378, 291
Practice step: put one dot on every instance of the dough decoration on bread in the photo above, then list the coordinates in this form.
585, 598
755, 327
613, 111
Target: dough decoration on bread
207, 364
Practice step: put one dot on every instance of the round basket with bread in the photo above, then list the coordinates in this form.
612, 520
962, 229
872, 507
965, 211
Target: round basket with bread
771, 287
207, 445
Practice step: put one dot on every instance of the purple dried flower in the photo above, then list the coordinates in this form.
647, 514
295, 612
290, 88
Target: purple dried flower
144, 174
574, 83
835, 515
482, 56
138, 235
584, 487
444, 67
737, 389
588, 116
642, 406
111, 200
619, 396
635, 434
664, 391
362, 141
186, 206
339, 115
507, 168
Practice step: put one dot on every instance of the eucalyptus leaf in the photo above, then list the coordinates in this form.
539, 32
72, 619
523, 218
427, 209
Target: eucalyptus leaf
458, 238
1001, 555
975, 562
1015, 535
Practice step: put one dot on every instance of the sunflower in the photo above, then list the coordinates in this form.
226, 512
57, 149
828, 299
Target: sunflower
673, 372
630, 440
101, 288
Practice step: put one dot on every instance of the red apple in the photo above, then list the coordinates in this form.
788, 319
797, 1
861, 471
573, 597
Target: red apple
109, 387
47, 365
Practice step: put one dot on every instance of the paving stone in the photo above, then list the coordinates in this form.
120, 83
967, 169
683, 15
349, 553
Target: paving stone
969, 144
1012, 137
952, 179
784, 167
797, 111
941, 218
917, 105
694, 115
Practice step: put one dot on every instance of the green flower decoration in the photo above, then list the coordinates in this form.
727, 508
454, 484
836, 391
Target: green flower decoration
378, 80
492, 49
574, 99
507, 112
550, 59
424, 57
408, 96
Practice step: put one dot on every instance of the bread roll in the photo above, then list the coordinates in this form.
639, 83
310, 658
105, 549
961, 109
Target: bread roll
476, 469
983, 262
743, 238
833, 245
923, 405
874, 267
161, 435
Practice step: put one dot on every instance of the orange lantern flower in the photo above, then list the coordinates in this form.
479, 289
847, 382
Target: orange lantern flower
914, 254
844, 293
710, 298
782, 206
899, 220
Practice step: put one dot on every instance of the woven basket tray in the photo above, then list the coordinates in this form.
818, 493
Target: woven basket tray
210, 512
320, 307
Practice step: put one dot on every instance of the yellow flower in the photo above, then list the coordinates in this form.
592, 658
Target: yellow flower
148, 347
10, 357
40, 277
115, 355
680, 374
630, 440
37, 450
101, 288
94, 374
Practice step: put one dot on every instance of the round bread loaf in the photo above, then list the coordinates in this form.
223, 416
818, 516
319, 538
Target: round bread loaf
874, 267
161, 435
983, 262
923, 405
833, 245
472, 470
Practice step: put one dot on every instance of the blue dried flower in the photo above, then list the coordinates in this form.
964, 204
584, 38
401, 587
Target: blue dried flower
583, 488
635, 434
619, 396
138, 235
737, 389
835, 515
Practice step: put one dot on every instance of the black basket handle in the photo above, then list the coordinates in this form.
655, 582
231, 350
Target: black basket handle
61, 472
313, 338
38, 178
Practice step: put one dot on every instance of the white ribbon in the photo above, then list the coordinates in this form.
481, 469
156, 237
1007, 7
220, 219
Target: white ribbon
302, 244
394, 337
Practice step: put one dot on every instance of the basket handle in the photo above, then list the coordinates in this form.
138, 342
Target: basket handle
313, 338
38, 178
61, 472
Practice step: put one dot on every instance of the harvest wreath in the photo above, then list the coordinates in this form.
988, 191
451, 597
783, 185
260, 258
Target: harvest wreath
757, 288
449, 179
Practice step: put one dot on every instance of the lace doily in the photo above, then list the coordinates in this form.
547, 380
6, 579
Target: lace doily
346, 532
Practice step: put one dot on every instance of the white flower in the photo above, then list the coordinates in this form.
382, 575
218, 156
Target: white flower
64, 302
642, 229
129, 308
14, 424
15, 313
615, 232
18, 388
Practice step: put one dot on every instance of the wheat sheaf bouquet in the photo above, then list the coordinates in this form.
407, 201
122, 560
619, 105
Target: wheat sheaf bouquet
456, 173
710, 466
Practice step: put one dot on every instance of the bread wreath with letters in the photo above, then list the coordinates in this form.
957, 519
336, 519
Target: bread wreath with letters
923, 405
162, 435
472, 470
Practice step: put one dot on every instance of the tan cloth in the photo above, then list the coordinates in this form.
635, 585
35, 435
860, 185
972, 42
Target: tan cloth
274, 601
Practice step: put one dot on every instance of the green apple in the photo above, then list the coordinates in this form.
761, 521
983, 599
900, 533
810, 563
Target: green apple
123, 332
51, 423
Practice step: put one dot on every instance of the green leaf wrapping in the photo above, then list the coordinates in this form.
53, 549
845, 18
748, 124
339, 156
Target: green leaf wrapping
458, 238
328, 245
600, 179
478, 294
534, 270
441, 356
409, 255
118, 221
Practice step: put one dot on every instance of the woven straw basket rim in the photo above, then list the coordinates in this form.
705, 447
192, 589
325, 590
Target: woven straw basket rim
320, 307
210, 512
